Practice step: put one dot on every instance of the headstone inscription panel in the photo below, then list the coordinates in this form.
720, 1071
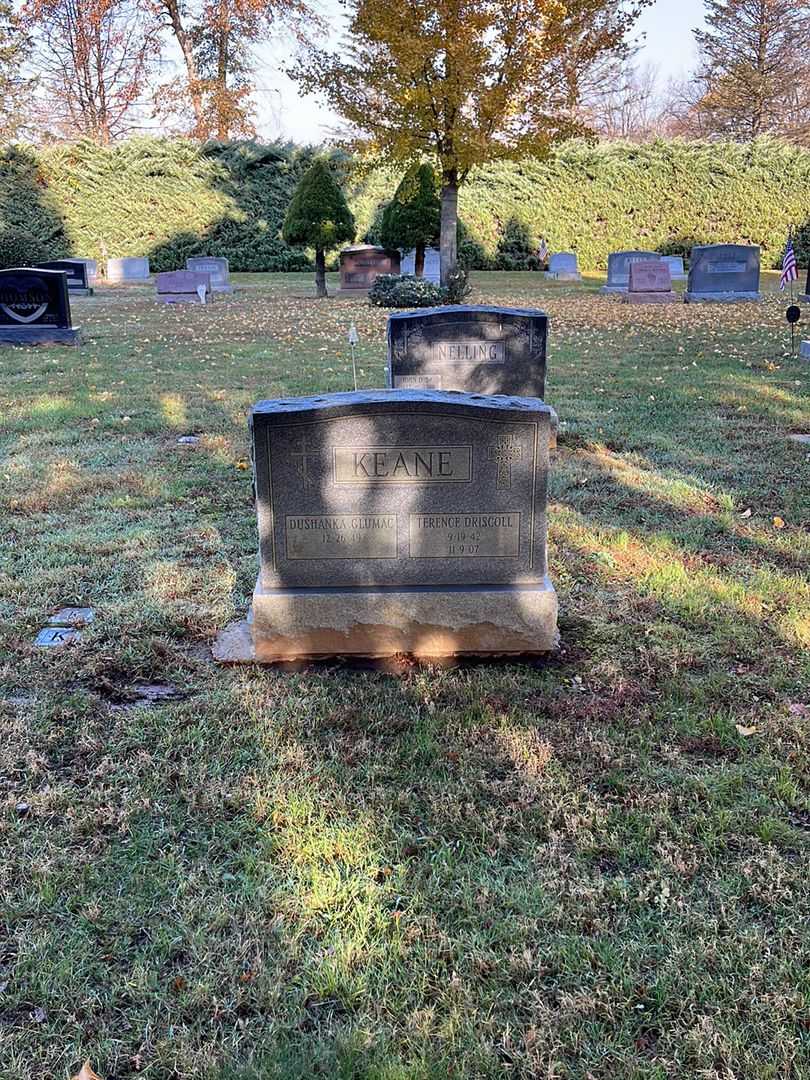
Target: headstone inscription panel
216, 268
362, 264
562, 266
483, 350
181, 287
723, 273
650, 283
76, 271
619, 263
401, 521
131, 268
35, 308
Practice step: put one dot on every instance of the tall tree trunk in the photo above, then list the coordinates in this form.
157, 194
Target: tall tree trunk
449, 228
320, 272
223, 119
419, 261
183, 38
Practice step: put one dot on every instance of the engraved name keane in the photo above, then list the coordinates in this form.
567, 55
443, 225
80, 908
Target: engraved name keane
402, 464
469, 352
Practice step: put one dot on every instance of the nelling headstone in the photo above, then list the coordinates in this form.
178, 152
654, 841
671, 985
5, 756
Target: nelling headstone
35, 308
562, 266
483, 350
650, 283
217, 269
182, 287
76, 271
131, 268
432, 269
362, 264
619, 263
723, 273
401, 522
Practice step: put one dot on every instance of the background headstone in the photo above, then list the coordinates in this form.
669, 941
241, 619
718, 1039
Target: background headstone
805, 296
562, 266
35, 308
181, 287
120, 271
216, 268
650, 283
675, 264
362, 264
483, 350
76, 271
432, 264
619, 263
401, 522
723, 273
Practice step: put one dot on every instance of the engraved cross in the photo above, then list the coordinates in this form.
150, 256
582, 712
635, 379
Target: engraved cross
505, 451
303, 465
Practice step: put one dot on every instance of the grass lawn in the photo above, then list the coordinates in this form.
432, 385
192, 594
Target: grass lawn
590, 867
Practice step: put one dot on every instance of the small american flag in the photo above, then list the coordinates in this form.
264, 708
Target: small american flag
542, 251
790, 271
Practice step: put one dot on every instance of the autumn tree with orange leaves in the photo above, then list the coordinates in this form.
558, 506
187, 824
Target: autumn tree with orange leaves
462, 82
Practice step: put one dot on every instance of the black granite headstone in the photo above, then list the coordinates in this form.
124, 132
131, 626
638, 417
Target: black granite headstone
482, 350
35, 308
723, 273
76, 270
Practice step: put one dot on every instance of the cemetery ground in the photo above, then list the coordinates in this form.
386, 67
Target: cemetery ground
593, 865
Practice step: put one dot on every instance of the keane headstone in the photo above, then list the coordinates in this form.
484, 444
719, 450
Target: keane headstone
675, 264
432, 271
650, 283
483, 350
182, 287
362, 264
121, 271
562, 266
619, 263
35, 308
76, 270
216, 268
401, 522
723, 273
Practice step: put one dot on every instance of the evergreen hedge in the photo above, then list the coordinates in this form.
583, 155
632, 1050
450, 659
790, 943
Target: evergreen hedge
169, 199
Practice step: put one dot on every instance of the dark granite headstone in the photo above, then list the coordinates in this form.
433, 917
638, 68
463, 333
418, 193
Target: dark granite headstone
401, 521
805, 296
483, 350
362, 264
182, 287
723, 273
619, 263
76, 270
35, 308
216, 268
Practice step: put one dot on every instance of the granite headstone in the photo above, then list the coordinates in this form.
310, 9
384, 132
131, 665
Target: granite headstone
401, 522
805, 296
432, 271
723, 273
35, 308
76, 271
562, 266
216, 268
362, 264
675, 264
650, 283
619, 263
182, 287
131, 268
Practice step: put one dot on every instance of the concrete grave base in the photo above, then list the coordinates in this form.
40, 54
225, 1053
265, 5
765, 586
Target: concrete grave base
426, 622
561, 275
40, 335
804, 350
651, 298
179, 298
721, 297
611, 289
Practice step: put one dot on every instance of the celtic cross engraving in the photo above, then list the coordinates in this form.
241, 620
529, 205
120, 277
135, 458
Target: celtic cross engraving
505, 451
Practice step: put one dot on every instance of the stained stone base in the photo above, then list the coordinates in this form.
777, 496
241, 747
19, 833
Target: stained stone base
39, 335
804, 350
651, 298
720, 297
427, 622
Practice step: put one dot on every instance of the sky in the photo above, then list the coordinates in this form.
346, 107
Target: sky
283, 113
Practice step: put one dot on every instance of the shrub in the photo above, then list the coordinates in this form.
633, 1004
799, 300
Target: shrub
458, 286
20, 248
405, 291
515, 247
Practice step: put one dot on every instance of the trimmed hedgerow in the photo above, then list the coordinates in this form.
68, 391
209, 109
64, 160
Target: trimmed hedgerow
169, 199
405, 291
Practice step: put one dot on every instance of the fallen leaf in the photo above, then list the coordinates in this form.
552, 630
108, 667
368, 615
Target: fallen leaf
86, 1073
241, 465
778, 523
745, 731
